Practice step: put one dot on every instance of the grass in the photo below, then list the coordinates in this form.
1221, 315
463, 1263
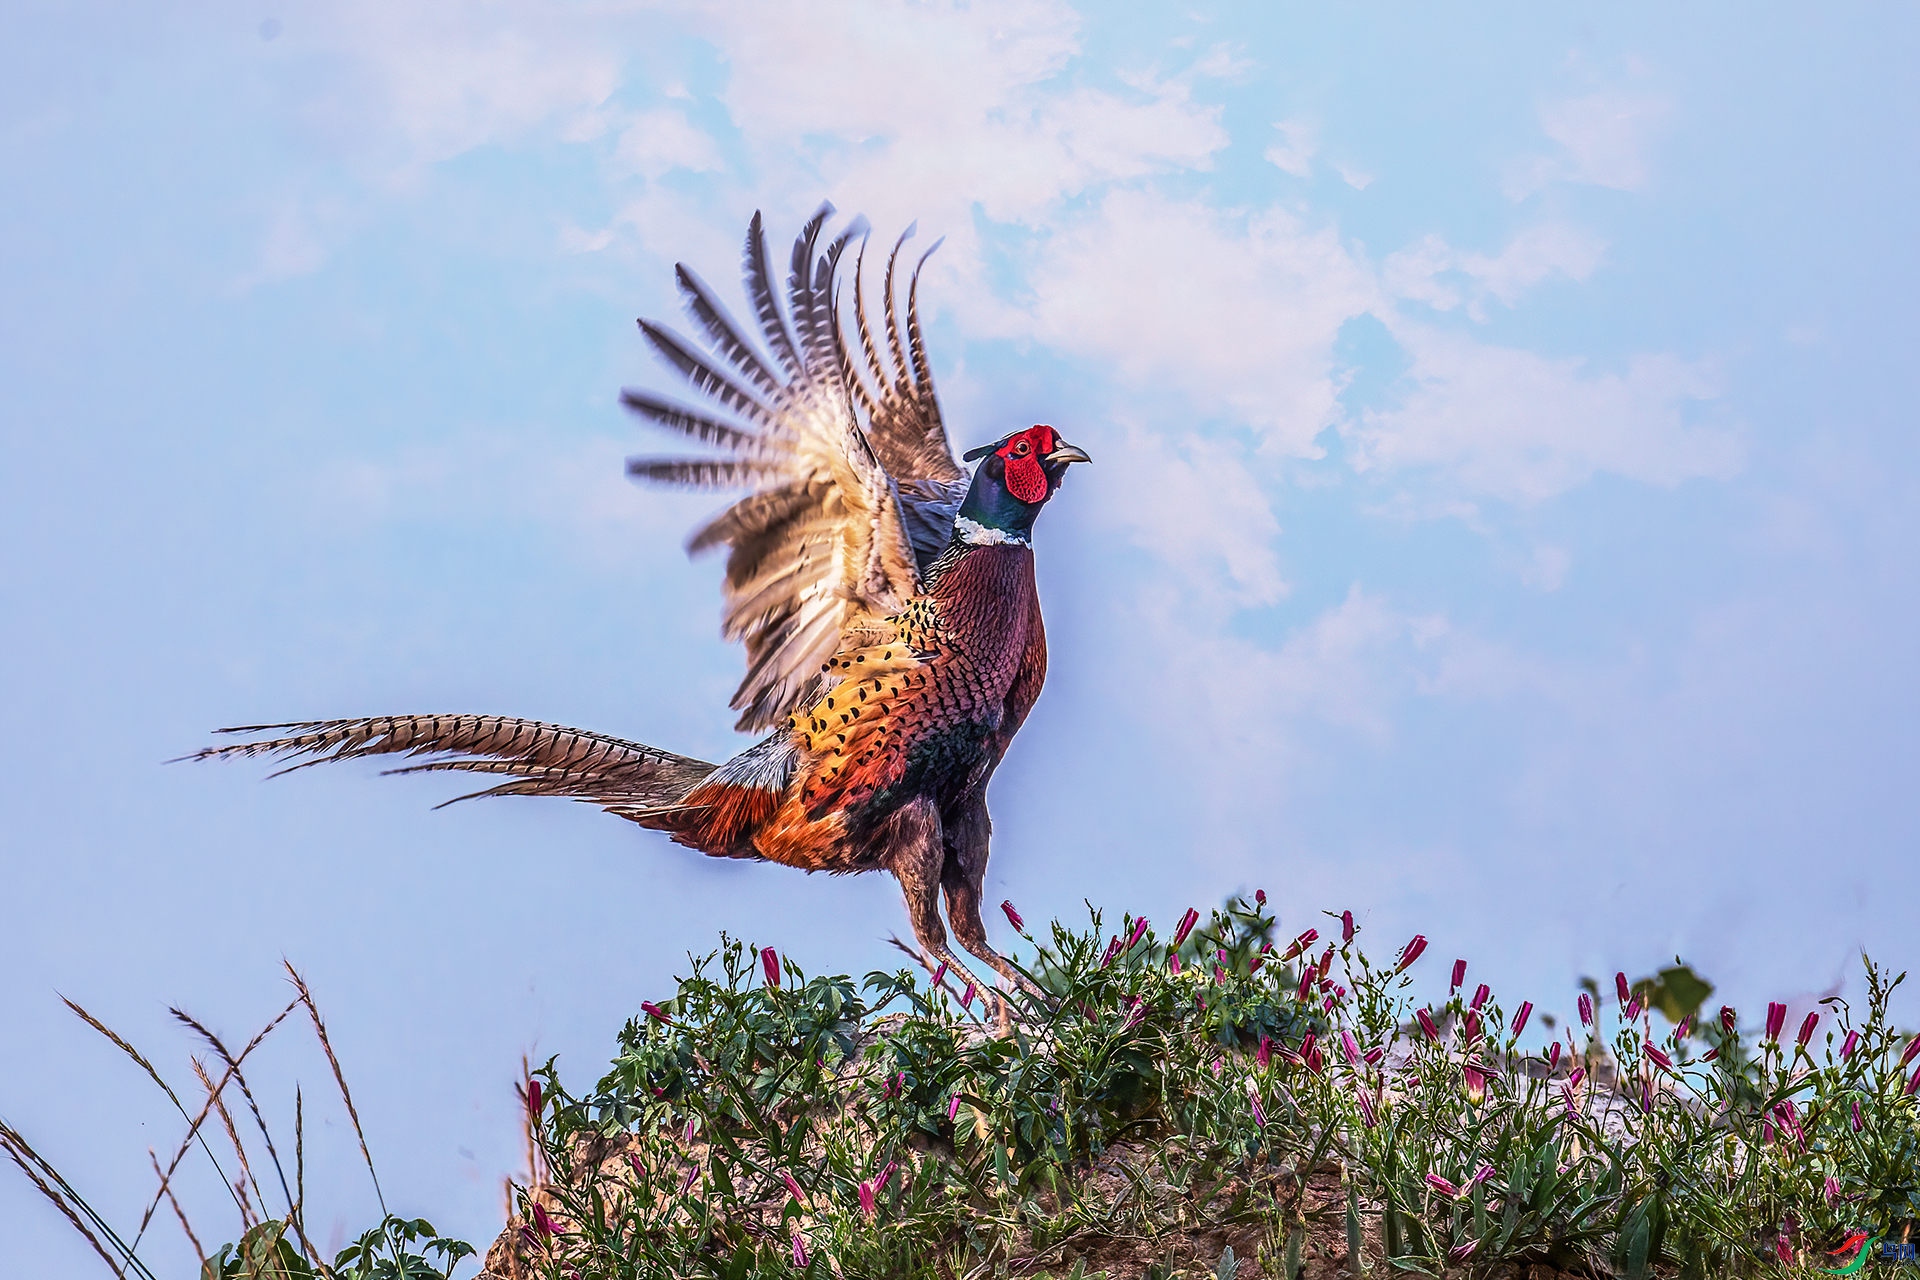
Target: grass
268, 1201
1213, 1102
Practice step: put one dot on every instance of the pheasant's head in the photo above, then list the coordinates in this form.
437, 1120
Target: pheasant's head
1016, 476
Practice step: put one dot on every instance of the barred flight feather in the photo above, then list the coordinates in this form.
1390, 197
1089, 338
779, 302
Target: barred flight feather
723, 330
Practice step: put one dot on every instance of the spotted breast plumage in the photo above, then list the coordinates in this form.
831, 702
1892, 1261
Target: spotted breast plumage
886, 599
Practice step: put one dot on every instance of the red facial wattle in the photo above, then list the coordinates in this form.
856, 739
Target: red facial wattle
1026, 478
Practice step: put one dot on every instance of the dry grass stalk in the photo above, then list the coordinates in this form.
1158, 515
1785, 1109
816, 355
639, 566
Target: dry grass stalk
233, 1135
339, 1077
194, 1123
20, 1152
246, 1091
166, 1190
153, 1075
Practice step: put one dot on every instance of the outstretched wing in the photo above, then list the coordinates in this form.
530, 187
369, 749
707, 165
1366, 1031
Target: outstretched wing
852, 486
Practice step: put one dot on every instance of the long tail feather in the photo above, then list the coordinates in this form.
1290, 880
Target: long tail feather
538, 758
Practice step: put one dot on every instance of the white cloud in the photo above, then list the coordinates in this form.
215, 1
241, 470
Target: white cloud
427, 82
1293, 151
1434, 272
1194, 503
1235, 312
290, 248
656, 142
992, 122
1514, 425
1603, 138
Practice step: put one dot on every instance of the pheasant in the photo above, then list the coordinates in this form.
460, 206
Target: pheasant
887, 603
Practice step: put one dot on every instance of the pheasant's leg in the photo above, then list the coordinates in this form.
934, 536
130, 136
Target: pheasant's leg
964, 879
916, 852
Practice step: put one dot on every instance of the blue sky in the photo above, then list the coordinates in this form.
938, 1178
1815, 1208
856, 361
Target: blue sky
1501, 524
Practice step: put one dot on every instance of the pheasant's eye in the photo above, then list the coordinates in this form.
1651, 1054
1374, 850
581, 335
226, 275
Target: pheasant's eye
1021, 449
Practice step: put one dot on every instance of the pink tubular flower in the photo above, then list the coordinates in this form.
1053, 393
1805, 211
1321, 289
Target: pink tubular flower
1459, 975
1367, 1116
966, 997
1326, 962
654, 1011
1646, 1098
1312, 1057
880, 1183
1520, 1018
1807, 1025
1728, 1018
868, 1205
1173, 963
1425, 1020
799, 1249
1586, 1009
1776, 1019
1481, 1174
1480, 994
1260, 897
693, 1176
1013, 917
1219, 975
1913, 1085
1301, 943
1187, 922
1832, 1188
543, 1222
1263, 1052
1327, 1004
1463, 1251
533, 1099
1654, 1053
1253, 1099
793, 1187
1632, 1010
939, 975
1346, 926
1848, 1045
953, 1108
1306, 982
1444, 1187
1621, 989
1553, 1055
1575, 1076
1913, 1050
1470, 1029
1349, 1048
1411, 952
1374, 1056
1476, 1083
1139, 932
770, 966
1858, 1124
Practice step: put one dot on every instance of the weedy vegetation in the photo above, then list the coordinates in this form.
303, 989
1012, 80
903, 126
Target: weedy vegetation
268, 1199
1213, 1102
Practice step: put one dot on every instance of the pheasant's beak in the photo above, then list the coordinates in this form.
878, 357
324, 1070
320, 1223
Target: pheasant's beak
1064, 452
